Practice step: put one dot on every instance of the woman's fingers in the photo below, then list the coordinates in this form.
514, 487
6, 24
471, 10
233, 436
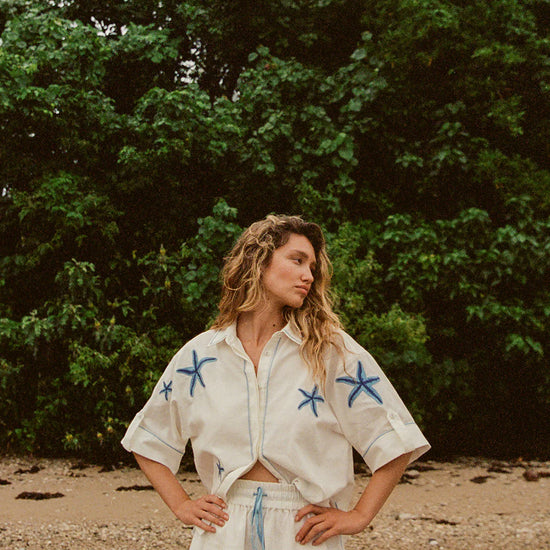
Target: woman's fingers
310, 523
214, 499
205, 512
215, 510
218, 519
204, 526
211, 508
309, 509
330, 522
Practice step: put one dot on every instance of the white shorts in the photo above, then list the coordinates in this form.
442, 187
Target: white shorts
261, 517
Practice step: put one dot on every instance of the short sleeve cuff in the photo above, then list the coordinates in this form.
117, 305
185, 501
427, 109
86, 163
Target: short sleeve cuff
145, 442
396, 441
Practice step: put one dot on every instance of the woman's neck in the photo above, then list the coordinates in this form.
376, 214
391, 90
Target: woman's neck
257, 327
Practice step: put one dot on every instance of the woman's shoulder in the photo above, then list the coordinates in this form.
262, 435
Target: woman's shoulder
205, 338
348, 343
200, 343
346, 351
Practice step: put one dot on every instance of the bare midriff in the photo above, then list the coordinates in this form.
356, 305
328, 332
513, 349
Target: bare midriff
259, 472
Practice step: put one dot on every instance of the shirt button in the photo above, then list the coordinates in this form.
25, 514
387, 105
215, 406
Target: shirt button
267, 353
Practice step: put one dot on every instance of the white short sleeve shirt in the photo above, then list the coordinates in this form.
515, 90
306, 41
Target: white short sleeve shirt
211, 395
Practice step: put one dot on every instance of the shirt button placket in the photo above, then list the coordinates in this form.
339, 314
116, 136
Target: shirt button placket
255, 406
263, 368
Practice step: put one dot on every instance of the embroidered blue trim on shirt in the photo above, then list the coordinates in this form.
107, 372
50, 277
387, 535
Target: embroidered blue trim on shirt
362, 384
221, 469
195, 371
166, 389
161, 440
248, 404
382, 435
311, 399
266, 404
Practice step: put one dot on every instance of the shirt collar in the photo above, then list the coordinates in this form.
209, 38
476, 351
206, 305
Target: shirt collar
230, 334
292, 333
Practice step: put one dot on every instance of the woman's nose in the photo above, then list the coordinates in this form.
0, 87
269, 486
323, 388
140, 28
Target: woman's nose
307, 275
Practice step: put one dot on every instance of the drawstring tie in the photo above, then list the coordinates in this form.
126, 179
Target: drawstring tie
258, 542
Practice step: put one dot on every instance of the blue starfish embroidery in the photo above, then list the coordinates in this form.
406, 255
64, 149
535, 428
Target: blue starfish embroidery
311, 399
166, 389
361, 383
221, 469
195, 371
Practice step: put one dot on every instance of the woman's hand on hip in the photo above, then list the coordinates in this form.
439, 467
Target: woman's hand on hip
326, 523
209, 508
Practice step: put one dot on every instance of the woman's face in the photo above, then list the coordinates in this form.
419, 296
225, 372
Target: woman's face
289, 276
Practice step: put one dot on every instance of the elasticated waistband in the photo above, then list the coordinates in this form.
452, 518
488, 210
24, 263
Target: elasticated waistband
275, 495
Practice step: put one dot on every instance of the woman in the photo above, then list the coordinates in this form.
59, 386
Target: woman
273, 398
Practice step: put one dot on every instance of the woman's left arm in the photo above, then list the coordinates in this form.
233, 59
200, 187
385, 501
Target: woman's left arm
329, 522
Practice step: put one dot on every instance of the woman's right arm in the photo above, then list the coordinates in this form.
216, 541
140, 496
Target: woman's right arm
191, 512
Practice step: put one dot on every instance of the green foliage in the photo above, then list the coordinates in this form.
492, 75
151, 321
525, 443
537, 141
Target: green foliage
415, 131
102, 357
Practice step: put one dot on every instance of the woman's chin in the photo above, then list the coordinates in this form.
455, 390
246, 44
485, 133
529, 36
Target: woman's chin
297, 303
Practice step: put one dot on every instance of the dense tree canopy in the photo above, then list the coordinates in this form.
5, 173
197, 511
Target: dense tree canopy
139, 137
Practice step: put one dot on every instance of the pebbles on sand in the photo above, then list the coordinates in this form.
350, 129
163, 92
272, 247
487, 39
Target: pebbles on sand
438, 507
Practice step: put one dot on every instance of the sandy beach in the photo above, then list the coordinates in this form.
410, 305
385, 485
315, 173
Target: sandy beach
467, 504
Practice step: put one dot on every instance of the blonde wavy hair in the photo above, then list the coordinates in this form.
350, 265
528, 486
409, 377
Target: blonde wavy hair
243, 290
